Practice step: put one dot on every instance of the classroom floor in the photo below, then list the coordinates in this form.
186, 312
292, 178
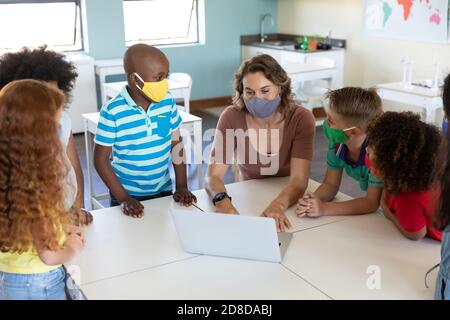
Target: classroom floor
348, 186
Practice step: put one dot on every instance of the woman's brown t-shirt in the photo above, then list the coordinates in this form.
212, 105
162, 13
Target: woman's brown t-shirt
232, 131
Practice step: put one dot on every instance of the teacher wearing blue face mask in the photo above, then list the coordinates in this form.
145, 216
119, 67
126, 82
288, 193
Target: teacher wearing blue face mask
266, 134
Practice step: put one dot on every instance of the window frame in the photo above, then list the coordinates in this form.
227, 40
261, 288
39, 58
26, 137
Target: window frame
79, 12
200, 11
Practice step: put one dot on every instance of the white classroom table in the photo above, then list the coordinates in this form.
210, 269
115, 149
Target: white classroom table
128, 258
113, 232
90, 128
207, 278
339, 258
428, 99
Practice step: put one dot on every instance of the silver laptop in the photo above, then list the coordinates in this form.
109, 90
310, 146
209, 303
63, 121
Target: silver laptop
235, 236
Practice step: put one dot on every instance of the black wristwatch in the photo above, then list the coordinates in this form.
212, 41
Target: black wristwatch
219, 197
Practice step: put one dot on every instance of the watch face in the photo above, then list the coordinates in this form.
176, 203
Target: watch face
219, 197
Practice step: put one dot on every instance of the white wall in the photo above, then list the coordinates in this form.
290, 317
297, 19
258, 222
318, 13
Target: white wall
369, 60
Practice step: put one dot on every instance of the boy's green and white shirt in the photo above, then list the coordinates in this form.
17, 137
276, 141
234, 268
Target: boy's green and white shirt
337, 159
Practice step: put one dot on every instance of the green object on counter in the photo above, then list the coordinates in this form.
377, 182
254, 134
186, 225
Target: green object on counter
305, 43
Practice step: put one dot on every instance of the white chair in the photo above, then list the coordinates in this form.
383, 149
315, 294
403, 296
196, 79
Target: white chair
182, 86
185, 82
310, 93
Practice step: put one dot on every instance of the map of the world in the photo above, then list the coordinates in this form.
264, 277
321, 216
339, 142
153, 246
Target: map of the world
421, 20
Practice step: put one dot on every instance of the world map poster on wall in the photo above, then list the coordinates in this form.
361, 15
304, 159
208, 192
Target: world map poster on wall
420, 20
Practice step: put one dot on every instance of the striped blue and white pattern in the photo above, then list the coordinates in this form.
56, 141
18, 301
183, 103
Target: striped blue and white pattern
141, 142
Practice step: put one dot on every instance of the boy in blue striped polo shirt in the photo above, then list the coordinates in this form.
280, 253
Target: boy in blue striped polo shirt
141, 128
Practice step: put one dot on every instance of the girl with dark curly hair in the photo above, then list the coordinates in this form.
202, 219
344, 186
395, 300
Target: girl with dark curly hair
36, 234
51, 67
406, 153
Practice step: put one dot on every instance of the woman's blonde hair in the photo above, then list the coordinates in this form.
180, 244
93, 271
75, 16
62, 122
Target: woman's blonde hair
273, 72
32, 167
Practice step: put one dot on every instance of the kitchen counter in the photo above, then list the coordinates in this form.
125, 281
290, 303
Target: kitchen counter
284, 48
255, 41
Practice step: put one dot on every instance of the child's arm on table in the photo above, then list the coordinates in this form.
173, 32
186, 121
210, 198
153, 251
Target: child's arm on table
315, 207
72, 247
325, 192
131, 207
182, 193
390, 216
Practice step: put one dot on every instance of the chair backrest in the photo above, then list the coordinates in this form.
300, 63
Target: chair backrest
181, 77
314, 88
186, 80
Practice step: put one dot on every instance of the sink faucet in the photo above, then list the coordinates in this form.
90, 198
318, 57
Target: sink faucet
263, 19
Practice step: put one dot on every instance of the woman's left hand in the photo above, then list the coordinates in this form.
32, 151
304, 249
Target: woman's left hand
276, 212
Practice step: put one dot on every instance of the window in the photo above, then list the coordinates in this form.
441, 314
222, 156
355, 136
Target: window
163, 22
34, 23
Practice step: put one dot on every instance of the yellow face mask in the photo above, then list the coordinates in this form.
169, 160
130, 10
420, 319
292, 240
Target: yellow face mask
155, 91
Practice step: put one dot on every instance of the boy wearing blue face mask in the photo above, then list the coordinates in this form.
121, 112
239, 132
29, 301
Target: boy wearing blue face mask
141, 128
348, 114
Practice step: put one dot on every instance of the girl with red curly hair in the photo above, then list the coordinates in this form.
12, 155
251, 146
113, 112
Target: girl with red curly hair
36, 235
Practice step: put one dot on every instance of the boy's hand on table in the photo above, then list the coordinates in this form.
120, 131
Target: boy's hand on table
184, 197
303, 204
133, 208
311, 206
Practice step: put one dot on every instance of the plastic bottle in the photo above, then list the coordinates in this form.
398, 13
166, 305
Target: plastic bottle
407, 72
328, 40
305, 43
436, 72
409, 75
